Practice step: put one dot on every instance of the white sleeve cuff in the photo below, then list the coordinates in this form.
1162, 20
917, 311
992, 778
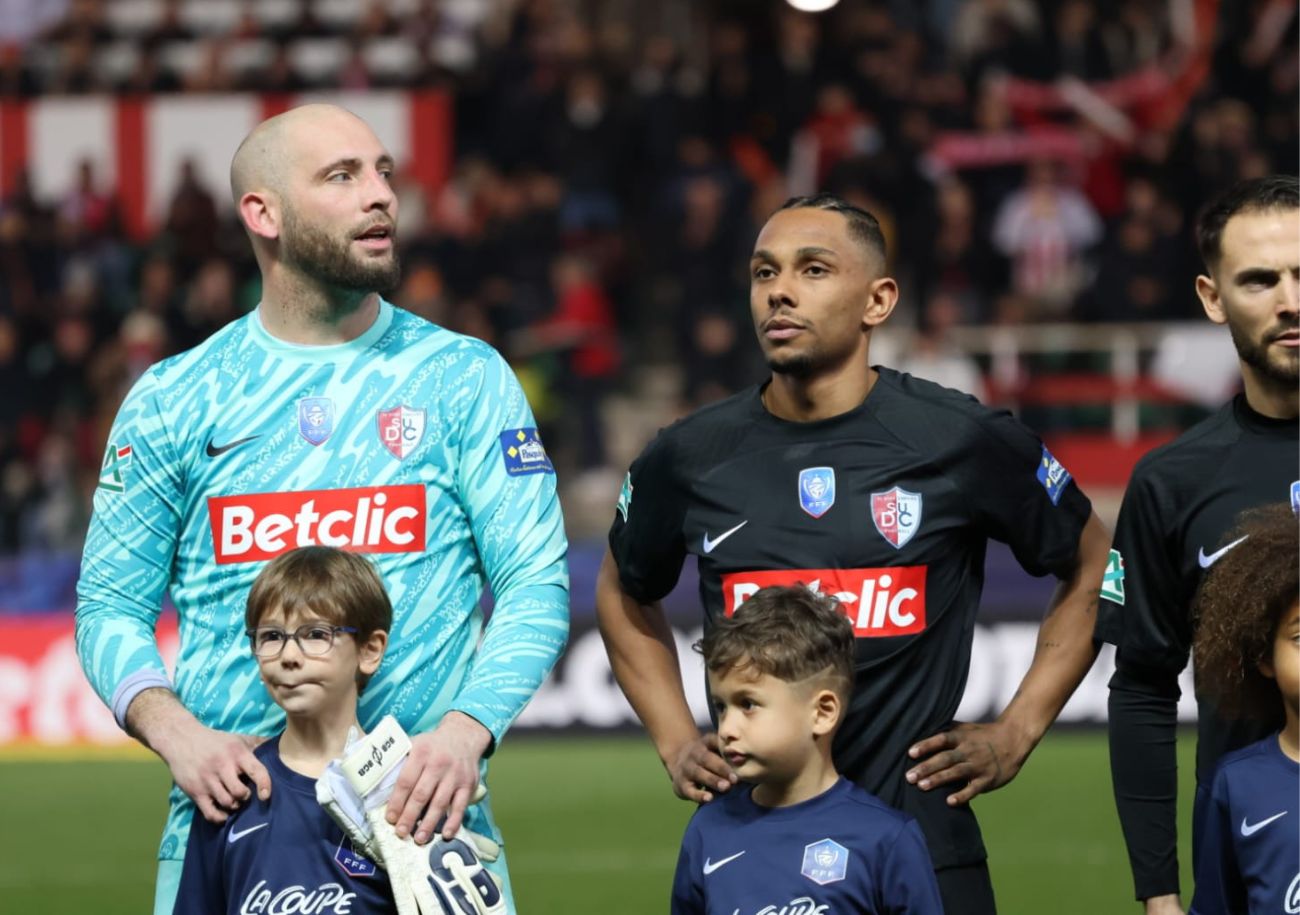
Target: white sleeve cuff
132, 686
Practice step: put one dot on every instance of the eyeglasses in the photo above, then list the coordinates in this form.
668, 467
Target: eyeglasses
313, 639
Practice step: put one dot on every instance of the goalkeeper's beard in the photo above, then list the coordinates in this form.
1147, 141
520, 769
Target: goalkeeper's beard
333, 262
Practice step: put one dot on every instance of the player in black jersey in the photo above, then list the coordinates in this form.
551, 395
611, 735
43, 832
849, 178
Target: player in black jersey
1181, 501
872, 486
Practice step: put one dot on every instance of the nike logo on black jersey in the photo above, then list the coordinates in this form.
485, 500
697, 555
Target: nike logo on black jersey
1207, 561
1250, 830
710, 545
711, 866
235, 835
218, 450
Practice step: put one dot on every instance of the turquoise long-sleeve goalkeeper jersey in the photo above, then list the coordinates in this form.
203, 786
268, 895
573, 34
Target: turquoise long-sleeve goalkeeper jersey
411, 444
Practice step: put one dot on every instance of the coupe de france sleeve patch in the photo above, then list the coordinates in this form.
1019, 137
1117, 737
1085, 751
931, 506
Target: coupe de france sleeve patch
523, 452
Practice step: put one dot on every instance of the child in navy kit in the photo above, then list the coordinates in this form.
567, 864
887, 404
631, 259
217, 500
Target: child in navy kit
1248, 661
802, 838
318, 621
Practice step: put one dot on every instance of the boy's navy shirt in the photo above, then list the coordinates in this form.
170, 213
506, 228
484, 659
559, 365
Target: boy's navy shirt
279, 855
841, 851
1249, 859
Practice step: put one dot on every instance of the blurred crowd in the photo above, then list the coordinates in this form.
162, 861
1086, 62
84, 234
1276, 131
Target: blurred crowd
1030, 160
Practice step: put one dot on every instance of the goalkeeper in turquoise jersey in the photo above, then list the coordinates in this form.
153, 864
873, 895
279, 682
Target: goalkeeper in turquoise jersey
327, 416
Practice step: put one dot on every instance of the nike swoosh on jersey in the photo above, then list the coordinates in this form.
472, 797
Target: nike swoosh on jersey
1207, 561
711, 545
218, 450
1249, 829
711, 866
236, 834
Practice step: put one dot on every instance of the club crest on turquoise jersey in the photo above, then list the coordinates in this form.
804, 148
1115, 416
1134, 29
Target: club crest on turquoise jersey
825, 862
897, 515
401, 429
817, 490
315, 419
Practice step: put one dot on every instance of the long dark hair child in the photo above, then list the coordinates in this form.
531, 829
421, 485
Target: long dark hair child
1247, 651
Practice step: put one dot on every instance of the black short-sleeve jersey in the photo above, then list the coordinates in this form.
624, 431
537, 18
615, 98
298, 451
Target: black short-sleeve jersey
1182, 501
889, 508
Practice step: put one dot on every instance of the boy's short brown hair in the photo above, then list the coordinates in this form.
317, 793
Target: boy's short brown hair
790, 633
323, 583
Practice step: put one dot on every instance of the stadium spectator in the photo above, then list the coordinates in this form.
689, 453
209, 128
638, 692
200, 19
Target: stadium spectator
582, 333
586, 149
803, 443
191, 222
87, 210
168, 28
933, 356
17, 79
149, 76
1181, 502
836, 131
1078, 47
959, 262
1045, 228
325, 392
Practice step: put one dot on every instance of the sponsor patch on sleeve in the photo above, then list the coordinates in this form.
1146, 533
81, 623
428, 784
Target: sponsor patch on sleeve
1053, 475
112, 474
625, 496
523, 452
1112, 580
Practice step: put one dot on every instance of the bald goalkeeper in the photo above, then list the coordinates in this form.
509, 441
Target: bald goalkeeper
325, 416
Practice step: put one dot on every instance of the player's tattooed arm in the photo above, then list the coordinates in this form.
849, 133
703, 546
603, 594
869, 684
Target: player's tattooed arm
214, 768
987, 756
643, 656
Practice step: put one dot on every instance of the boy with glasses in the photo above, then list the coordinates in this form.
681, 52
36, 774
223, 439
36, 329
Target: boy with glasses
318, 621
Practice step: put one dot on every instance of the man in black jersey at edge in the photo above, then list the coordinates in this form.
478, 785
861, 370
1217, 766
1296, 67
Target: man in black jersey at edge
872, 486
1181, 501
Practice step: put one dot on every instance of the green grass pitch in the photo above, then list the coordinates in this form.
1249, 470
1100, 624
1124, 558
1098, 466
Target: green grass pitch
591, 827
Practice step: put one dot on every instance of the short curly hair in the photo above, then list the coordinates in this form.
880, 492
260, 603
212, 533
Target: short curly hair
1240, 604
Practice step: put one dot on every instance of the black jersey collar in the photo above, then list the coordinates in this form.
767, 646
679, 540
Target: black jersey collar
1252, 421
756, 405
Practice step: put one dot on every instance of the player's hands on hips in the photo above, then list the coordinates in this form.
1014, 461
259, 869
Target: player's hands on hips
439, 777
698, 769
211, 767
984, 756
1163, 905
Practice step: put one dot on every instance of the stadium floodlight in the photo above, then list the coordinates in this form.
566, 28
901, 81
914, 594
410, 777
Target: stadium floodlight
812, 6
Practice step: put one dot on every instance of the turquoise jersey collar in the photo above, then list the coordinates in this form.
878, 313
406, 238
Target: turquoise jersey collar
258, 332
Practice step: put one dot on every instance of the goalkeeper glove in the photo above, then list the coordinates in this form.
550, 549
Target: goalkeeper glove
447, 876
345, 806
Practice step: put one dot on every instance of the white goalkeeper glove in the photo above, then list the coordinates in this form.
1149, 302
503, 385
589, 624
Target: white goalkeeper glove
445, 877
344, 805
